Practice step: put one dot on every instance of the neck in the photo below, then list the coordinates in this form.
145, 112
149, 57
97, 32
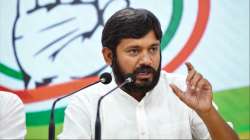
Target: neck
137, 95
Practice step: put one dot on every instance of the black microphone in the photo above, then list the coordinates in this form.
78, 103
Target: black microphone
105, 78
98, 131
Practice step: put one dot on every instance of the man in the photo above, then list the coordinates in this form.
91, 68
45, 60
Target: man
12, 117
147, 108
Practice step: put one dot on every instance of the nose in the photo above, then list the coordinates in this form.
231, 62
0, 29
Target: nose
145, 59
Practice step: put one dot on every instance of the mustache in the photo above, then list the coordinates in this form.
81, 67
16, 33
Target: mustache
144, 69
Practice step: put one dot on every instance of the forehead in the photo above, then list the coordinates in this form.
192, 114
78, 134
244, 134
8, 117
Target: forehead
148, 40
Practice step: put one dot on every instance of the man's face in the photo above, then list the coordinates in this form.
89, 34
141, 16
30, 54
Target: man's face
140, 57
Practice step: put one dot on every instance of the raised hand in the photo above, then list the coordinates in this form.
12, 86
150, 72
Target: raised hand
198, 95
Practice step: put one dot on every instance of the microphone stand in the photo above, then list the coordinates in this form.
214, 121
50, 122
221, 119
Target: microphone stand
52, 121
105, 78
98, 131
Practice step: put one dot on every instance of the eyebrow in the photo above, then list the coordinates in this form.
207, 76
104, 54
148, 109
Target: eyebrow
132, 46
136, 46
156, 43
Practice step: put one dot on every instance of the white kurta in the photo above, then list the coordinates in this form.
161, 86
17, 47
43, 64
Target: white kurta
12, 117
159, 115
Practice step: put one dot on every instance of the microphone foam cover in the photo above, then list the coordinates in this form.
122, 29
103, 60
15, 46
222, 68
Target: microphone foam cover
106, 78
132, 76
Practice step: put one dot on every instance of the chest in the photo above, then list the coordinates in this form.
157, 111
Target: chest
145, 120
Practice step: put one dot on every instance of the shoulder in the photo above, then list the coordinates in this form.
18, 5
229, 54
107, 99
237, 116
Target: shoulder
90, 95
84, 103
8, 95
12, 114
10, 104
9, 98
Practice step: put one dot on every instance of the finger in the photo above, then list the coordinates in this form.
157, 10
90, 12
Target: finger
204, 84
200, 84
189, 66
194, 81
190, 76
178, 92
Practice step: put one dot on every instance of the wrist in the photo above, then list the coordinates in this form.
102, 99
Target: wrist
209, 113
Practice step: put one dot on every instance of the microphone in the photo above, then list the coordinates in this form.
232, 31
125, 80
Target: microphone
105, 78
98, 131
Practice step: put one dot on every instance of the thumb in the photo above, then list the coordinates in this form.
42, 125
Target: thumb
178, 92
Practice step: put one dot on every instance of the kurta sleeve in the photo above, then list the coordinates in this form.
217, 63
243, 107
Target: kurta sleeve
198, 127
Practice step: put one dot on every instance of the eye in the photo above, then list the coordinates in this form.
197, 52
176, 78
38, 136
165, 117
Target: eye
133, 52
154, 49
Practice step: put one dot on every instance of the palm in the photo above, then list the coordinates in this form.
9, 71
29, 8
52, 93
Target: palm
198, 100
198, 95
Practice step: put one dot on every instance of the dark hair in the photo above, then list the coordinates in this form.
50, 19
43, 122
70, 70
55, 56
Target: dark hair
129, 23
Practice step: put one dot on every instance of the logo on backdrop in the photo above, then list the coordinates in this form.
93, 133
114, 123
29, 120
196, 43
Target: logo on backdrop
57, 42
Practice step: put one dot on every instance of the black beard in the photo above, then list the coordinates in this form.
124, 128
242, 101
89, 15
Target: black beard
144, 87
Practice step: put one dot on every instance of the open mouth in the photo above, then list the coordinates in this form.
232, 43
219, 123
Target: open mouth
144, 75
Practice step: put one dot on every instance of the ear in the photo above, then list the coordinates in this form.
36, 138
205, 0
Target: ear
107, 55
